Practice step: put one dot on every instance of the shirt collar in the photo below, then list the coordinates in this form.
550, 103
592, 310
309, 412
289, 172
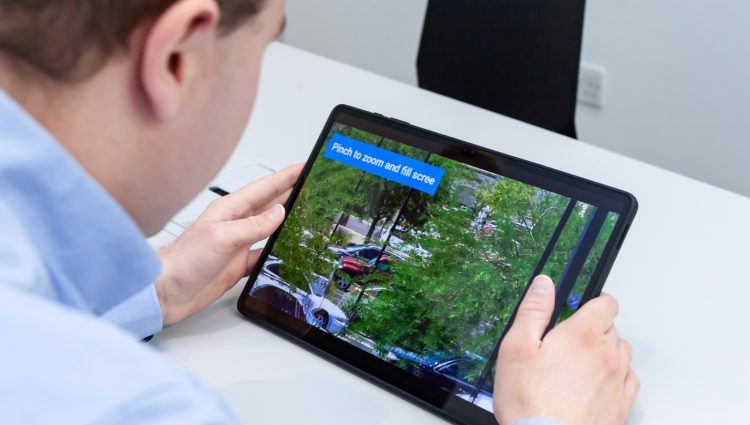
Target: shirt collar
95, 254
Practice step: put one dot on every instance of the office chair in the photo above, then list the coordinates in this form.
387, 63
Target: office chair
519, 58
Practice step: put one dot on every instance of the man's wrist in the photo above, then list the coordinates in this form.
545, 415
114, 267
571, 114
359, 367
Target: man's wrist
161, 296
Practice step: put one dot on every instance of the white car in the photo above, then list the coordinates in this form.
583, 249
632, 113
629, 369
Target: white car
315, 310
410, 249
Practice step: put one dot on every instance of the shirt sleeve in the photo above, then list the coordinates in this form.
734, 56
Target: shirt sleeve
140, 314
538, 421
172, 405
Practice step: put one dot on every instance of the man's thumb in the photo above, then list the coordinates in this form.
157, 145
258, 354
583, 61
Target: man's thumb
535, 310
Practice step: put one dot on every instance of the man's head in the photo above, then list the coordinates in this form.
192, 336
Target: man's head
150, 96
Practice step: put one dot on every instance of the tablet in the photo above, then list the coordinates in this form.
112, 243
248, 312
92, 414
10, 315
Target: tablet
405, 253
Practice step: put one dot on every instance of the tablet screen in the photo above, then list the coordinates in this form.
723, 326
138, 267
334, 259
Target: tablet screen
416, 251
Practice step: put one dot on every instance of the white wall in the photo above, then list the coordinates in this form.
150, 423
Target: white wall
381, 36
677, 92
678, 85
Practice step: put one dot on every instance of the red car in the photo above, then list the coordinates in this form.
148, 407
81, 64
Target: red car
356, 267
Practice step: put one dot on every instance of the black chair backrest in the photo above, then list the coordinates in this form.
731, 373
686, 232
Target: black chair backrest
519, 58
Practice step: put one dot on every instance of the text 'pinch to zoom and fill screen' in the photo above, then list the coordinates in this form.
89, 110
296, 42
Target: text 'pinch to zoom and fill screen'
383, 163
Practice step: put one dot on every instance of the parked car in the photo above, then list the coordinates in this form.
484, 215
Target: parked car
356, 268
449, 371
366, 252
410, 249
307, 306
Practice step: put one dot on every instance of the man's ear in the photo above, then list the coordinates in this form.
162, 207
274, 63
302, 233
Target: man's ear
174, 51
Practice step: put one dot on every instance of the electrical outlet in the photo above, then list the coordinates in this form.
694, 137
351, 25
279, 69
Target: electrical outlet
591, 85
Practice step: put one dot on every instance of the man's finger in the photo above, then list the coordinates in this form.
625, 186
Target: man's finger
247, 231
281, 199
535, 310
241, 203
626, 355
600, 313
611, 336
632, 386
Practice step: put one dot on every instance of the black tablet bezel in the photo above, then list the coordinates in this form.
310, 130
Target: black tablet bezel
386, 375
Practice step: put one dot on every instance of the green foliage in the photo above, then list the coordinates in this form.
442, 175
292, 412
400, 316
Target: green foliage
302, 245
484, 235
463, 295
304, 240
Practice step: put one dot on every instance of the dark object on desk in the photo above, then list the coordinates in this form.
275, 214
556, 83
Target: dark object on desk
219, 191
519, 58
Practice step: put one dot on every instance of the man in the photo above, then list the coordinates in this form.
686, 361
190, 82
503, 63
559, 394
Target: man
114, 115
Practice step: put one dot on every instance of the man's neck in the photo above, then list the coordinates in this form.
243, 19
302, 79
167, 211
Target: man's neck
24, 85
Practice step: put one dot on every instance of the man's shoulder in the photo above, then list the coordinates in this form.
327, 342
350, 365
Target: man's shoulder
69, 367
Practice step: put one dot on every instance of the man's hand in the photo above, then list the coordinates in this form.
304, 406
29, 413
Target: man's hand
214, 253
579, 373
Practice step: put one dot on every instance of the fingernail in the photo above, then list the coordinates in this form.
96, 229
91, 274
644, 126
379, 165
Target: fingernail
541, 285
275, 213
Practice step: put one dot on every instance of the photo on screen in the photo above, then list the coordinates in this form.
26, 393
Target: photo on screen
421, 260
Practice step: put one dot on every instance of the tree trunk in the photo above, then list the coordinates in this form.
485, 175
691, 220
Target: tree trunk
374, 225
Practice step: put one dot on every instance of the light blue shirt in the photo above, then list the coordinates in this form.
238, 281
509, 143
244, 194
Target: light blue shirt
76, 297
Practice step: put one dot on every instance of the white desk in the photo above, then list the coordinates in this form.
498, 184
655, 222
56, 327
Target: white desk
682, 278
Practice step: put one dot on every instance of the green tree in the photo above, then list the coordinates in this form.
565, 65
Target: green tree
484, 234
332, 192
462, 296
